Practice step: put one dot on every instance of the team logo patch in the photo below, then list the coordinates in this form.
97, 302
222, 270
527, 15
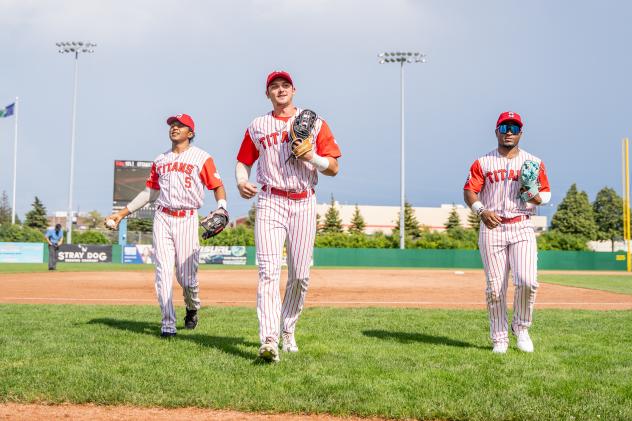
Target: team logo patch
217, 176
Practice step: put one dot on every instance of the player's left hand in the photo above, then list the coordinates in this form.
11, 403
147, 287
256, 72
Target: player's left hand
300, 135
304, 156
214, 223
529, 185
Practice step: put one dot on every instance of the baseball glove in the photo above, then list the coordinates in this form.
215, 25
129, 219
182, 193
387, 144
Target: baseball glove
214, 223
529, 185
301, 133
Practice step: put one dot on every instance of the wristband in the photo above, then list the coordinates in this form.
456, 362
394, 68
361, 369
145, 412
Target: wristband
221, 203
477, 207
320, 162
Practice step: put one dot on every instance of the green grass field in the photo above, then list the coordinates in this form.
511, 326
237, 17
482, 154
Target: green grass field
399, 363
613, 283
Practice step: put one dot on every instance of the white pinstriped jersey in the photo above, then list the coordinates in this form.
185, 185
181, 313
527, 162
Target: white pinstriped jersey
181, 178
266, 139
496, 179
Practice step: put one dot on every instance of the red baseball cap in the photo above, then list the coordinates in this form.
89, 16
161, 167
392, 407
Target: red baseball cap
509, 116
278, 74
184, 119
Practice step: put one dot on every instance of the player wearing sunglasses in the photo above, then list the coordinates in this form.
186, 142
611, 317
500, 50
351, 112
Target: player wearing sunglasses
503, 188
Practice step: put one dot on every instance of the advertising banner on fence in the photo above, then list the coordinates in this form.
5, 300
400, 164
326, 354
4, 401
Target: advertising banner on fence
80, 253
138, 253
21, 252
223, 255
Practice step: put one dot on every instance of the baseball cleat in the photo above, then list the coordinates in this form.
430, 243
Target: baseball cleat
191, 319
289, 343
167, 334
524, 342
269, 351
500, 348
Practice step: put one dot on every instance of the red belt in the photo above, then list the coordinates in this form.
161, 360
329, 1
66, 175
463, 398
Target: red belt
289, 194
515, 219
178, 213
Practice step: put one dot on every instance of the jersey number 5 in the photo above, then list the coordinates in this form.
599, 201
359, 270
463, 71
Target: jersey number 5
187, 182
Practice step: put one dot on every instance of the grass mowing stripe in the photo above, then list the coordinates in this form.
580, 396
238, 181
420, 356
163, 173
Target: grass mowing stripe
370, 362
611, 283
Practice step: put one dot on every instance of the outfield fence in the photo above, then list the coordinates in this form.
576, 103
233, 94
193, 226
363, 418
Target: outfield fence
410, 258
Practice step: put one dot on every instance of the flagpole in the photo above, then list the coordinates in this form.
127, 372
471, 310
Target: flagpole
15, 157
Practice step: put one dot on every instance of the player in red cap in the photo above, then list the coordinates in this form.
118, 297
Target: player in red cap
286, 209
503, 188
176, 183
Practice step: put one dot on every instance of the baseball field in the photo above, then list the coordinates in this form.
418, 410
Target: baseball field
83, 343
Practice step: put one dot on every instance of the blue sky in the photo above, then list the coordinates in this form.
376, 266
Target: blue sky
563, 65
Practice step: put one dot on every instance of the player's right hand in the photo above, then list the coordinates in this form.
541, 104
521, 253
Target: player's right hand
490, 219
114, 217
247, 190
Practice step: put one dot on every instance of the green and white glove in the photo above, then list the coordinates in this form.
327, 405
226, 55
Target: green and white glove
529, 185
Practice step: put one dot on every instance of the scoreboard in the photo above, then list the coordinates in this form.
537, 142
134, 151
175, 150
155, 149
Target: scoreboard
129, 180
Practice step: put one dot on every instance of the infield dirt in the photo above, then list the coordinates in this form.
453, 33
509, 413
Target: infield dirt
328, 287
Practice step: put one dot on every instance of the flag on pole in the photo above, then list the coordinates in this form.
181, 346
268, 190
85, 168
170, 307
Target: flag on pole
7, 111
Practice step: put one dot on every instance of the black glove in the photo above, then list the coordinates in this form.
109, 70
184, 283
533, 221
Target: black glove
214, 223
301, 133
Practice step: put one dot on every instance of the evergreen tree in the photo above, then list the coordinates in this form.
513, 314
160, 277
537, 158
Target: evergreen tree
140, 225
333, 222
411, 225
608, 209
357, 222
454, 221
575, 215
319, 227
252, 216
5, 209
36, 217
474, 221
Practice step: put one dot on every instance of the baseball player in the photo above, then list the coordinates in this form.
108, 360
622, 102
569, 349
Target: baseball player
503, 188
176, 183
285, 210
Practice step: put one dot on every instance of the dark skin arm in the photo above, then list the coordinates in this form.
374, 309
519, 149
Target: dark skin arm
489, 218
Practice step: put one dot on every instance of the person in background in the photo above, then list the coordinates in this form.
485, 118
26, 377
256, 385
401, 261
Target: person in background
55, 238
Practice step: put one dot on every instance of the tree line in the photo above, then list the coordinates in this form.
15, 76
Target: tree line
575, 222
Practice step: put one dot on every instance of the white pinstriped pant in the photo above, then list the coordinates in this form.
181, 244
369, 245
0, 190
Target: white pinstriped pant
280, 219
509, 247
176, 245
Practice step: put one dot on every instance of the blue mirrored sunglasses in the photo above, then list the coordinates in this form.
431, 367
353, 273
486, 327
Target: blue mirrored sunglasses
504, 128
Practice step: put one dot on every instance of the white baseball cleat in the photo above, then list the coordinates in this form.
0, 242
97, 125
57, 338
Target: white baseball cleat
524, 342
500, 348
289, 343
269, 351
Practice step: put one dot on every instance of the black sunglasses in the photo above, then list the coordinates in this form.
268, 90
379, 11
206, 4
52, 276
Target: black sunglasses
505, 128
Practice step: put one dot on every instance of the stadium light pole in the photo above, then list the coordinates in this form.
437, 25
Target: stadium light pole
405, 57
73, 47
